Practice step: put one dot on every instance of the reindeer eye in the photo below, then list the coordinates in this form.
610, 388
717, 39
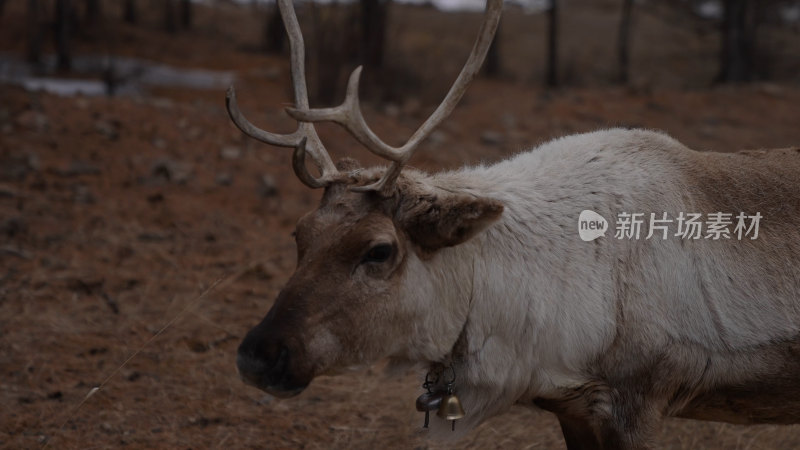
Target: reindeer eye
379, 253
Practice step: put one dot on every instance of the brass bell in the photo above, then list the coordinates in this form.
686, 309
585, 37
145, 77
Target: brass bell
451, 409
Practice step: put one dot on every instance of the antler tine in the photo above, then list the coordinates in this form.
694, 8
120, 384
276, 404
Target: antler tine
305, 133
349, 114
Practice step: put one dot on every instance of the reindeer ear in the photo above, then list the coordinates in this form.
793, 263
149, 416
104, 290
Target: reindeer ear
436, 221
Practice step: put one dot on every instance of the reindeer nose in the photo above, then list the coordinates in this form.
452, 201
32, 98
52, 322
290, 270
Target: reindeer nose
261, 365
267, 370
252, 369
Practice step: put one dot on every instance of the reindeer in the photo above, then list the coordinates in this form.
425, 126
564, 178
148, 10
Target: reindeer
480, 272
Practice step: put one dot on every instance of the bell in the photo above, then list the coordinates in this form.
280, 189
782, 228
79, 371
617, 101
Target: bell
450, 409
427, 402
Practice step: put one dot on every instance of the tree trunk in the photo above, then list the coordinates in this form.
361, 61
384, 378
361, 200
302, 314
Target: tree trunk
2, 7
170, 16
129, 12
63, 33
373, 32
738, 42
94, 12
327, 53
623, 42
186, 14
552, 45
34, 33
274, 34
492, 65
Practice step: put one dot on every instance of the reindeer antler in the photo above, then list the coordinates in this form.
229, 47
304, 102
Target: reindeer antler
349, 114
305, 133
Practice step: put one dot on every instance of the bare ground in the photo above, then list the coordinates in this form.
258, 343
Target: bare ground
139, 241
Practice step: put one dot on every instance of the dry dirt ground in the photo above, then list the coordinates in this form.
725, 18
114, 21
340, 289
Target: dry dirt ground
141, 237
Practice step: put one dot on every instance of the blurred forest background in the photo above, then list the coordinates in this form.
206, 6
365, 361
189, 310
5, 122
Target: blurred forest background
141, 235
412, 48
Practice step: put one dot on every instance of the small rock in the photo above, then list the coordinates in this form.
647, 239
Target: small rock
159, 143
33, 120
438, 137
230, 152
155, 198
8, 192
412, 107
171, 170
152, 236
81, 194
132, 375
87, 284
491, 138
262, 271
162, 103
197, 346
12, 226
273, 73
111, 302
224, 179
81, 103
15, 251
108, 129
17, 166
772, 90
268, 187
33, 161
509, 121
193, 133
78, 168
392, 110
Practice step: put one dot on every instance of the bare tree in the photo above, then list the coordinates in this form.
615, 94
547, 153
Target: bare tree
129, 12
373, 32
492, 65
737, 54
93, 12
328, 52
552, 44
186, 14
170, 16
34, 32
274, 34
623, 42
63, 33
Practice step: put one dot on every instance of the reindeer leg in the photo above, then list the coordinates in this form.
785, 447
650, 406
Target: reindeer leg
578, 433
630, 425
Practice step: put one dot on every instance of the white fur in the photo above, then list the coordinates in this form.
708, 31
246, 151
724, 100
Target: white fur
540, 306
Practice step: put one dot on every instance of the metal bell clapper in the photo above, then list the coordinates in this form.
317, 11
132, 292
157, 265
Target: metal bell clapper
450, 407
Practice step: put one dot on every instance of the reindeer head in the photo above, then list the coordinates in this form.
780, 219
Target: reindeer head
361, 291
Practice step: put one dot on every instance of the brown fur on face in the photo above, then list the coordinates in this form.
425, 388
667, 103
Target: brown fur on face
342, 279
